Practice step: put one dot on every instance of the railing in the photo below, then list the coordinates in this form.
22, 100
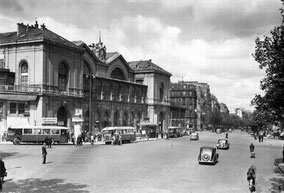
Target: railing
157, 101
20, 89
39, 90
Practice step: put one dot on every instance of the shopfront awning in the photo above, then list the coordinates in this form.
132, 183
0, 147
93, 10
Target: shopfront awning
146, 123
18, 97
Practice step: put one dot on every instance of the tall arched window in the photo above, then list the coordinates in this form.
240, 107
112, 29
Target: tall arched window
161, 92
24, 70
62, 77
117, 74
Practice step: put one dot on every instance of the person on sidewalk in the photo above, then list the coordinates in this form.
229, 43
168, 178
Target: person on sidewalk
44, 153
2, 172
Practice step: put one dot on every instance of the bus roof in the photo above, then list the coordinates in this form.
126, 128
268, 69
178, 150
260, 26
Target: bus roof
174, 127
38, 127
117, 128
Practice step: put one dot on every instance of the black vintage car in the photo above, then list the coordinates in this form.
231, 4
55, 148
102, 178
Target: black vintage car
223, 144
208, 155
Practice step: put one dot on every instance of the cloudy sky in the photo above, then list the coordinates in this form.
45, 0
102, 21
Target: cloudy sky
208, 41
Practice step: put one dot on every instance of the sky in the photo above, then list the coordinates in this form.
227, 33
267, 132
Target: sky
195, 40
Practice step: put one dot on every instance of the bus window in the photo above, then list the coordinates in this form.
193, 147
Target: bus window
46, 131
63, 132
55, 132
37, 131
28, 131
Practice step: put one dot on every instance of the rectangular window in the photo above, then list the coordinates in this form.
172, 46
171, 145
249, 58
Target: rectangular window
55, 132
24, 80
46, 131
21, 108
28, 131
62, 84
37, 131
13, 108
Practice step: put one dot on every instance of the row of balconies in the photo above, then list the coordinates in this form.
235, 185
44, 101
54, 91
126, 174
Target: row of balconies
35, 90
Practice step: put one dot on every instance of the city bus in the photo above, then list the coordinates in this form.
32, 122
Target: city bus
126, 133
37, 134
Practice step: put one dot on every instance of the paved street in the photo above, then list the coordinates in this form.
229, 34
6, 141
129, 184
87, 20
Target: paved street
148, 166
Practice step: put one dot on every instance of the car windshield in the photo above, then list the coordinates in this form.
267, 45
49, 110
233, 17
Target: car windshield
222, 141
206, 150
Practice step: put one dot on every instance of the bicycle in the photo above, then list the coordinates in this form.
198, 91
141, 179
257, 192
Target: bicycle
251, 186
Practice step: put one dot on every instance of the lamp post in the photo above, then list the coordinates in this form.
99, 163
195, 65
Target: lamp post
91, 77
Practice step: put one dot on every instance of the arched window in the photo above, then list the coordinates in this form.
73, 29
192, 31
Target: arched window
117, 74
161, 92
24, 70
62, 77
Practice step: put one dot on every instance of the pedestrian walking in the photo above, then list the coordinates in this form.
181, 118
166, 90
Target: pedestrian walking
44, 153
283, 155
2, 172
92, 139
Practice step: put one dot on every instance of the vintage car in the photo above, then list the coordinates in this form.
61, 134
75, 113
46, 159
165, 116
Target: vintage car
194, 136
223, 144
208, 155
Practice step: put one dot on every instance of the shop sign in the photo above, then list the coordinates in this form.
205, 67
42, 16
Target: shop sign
49, 120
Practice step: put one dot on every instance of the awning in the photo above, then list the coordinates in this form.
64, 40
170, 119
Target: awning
18, 97
147, 123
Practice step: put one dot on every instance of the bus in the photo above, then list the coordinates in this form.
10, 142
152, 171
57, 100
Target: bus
175, 131
127, 134
37, 134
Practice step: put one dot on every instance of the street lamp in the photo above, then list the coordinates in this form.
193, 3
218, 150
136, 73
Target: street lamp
91, 77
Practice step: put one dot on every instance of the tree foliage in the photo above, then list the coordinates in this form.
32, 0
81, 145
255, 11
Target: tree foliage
269, 53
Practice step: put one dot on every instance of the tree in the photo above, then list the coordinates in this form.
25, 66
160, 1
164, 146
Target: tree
269, 53
215, 119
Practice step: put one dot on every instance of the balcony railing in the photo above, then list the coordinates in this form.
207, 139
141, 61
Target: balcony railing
157, 101
39, 90
20, 89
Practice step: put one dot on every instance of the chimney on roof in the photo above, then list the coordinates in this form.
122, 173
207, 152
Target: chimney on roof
36, 24
42, 26
21, 28
150, 60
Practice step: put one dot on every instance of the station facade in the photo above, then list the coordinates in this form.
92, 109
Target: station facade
48, 80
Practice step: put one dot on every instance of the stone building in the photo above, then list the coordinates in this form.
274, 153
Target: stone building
56, 80
197, 98
158, 94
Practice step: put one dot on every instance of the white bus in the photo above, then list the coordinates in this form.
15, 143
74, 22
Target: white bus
126, 133
37, 134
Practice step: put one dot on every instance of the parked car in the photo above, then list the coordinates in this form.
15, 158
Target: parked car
218, 131
208, 155
194, 136
223, 144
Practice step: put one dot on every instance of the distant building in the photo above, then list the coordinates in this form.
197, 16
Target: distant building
197, 98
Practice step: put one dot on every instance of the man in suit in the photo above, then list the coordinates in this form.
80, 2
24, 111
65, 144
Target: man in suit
44, 153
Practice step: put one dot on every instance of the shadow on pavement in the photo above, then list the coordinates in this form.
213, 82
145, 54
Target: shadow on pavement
277, 184
36, 185
6, 154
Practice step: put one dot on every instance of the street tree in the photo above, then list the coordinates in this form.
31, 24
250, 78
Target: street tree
269, 53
